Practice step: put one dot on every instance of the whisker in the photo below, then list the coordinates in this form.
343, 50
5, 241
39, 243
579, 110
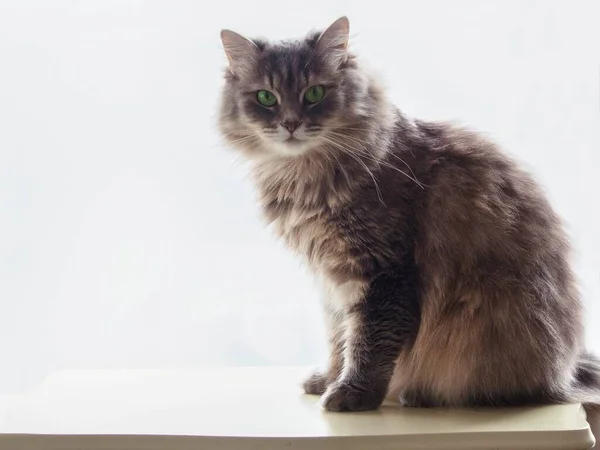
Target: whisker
339, 165
242, 140
362, 163
392, 154
367, 155
347, 128
363, 149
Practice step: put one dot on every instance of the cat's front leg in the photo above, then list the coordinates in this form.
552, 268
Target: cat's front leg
376, 329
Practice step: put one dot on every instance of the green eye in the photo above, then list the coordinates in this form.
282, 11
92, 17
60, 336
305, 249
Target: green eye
266, 98
314, 94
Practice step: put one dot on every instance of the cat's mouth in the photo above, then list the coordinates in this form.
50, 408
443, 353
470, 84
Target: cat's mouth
294, 146
293, 140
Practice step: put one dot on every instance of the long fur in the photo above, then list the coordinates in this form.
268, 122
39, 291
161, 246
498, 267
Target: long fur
447, 272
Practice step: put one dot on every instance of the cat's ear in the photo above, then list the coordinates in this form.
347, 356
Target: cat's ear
333, 42
241, 52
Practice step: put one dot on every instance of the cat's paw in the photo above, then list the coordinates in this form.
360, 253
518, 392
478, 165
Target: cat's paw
347, 396
315, 384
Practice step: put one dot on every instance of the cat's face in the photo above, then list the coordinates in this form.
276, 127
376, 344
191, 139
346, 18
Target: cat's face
286, 98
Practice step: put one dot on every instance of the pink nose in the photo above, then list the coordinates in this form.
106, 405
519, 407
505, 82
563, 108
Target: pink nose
291, 125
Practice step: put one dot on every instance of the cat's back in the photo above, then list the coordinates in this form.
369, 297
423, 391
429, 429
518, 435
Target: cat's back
485, 221
478, 200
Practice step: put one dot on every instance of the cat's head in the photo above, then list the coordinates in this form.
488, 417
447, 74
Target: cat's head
284, 99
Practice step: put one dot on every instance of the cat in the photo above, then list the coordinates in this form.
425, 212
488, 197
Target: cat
447, 274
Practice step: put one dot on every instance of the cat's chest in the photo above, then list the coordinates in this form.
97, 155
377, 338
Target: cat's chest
319, 236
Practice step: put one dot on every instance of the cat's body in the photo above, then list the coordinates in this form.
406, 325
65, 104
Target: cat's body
446, 272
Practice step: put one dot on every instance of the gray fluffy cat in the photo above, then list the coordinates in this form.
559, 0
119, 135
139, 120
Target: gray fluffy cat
446, 272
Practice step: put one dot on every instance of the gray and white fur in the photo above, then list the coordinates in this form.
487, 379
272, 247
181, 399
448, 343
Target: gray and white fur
447, 274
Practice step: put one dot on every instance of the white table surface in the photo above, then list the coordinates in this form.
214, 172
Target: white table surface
252, 409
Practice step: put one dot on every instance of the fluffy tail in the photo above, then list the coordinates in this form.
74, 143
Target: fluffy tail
586, 387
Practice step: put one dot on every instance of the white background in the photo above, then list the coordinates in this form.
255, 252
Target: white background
129, 238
